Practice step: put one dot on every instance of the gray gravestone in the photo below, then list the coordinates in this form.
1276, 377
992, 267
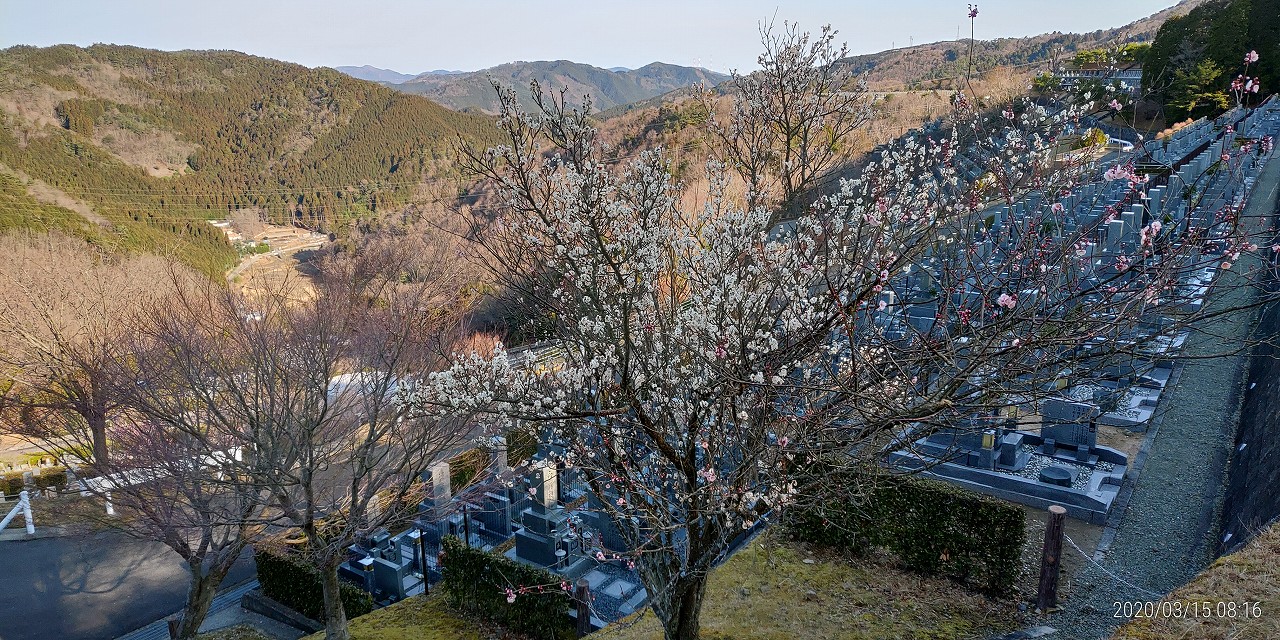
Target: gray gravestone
536, 548
1070, 423
440, 490
495, 514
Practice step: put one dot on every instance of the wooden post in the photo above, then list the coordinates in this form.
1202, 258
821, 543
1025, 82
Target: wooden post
1051, 560
583, 597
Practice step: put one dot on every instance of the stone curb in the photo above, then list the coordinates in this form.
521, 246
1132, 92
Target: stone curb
20, 534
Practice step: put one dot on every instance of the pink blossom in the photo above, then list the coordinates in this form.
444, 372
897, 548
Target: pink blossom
511, 596
1226, 265
1057, 207
600, 556
1119, 172
1156, 226
882, 305
1007, 301
1115, 105
1251, 57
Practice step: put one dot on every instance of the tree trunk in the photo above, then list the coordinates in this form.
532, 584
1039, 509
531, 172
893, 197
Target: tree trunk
199, 597
335, 616
685, 609
98, 428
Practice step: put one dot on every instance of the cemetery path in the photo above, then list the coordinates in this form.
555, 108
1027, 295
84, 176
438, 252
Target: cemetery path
93, 587
1167, 533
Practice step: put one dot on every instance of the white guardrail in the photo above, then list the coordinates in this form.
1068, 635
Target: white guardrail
24, 505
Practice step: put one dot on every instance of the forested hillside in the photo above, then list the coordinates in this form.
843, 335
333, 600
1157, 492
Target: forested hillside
1195, 57
937, 65
137, 148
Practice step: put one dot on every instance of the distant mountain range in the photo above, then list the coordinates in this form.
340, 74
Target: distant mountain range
374, 74
387, 76
607, 88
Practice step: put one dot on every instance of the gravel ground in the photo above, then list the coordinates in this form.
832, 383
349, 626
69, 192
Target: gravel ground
1168, 531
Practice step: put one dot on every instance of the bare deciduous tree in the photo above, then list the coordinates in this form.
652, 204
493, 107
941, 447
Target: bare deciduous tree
307, 391
788, 128
171, 479
248, 222
64, 312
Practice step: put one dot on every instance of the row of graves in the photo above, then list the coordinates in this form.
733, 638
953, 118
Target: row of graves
543, 515
540, 513
1050, 455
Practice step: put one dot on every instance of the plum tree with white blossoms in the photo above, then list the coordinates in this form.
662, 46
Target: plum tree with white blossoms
704, 356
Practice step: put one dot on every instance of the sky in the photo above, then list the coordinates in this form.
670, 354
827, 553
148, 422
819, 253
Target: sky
411, 37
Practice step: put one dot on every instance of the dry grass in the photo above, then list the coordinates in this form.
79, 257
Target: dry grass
768, 592
420, 618
1123, 440
238, 632
1249, 575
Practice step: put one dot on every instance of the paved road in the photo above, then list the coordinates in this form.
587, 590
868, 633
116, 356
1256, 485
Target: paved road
92, 587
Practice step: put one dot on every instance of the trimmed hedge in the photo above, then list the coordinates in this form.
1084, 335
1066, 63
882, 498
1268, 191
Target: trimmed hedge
475, 582
933, 527
13, 484
51, 477
293, 582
